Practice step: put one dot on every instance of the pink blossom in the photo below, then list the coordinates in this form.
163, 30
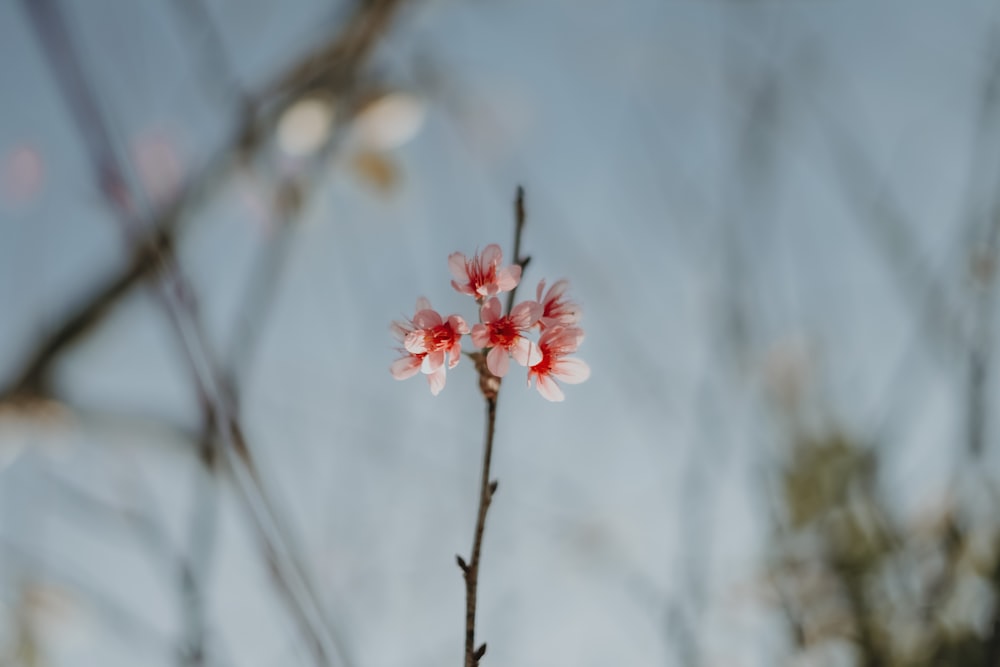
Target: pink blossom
556, 308
482, 276
431, 344
504, 335
556, 343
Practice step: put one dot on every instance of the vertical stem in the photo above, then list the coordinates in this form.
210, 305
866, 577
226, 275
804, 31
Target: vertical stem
486, 491
490, 386
519, 218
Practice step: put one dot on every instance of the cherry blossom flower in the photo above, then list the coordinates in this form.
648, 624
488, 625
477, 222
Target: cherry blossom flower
482, 275
504, 335
431, 345
556, 308
555, 344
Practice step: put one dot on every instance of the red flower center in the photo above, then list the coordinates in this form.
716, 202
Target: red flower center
439, 338
503, 333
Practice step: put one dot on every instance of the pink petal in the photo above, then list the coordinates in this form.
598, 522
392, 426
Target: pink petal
399, 330
498, 361
558, 288
454, 354
463, 288
573, 370
423, 303
563, 339
427, 319
415, 342
569, 317
521, 351
480, 335
492, 254
549, 389
491, 310
432, 362
458, 325
526, 314
534, 354
436, 380
539, 290
457, 264
508, 278
405, 368
526, 352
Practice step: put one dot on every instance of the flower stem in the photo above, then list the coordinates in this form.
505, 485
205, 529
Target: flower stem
519, 220
489, 384
471, 570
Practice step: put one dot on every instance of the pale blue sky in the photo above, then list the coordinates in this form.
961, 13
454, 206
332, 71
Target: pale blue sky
623, 121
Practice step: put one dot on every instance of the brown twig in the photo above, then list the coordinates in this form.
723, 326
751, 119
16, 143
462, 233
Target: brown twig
470, 570
519, 219
490, 387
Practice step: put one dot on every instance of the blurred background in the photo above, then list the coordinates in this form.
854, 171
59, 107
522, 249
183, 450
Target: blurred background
781, 217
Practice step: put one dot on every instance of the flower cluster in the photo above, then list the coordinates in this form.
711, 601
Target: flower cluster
431, 344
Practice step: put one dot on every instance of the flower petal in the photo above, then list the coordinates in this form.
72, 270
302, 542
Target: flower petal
558, 288
405, 367
480, 335
454, 354
572, 370
498, 361
549, 389
458, 324
427, 319
521, 350
508, 278
526, 314
534, 354
526, 352
415, 343
433, 362
436, 380
399, 330
492, 254
457, 266
491, 310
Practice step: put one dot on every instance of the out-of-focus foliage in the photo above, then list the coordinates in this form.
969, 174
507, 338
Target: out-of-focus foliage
848, 574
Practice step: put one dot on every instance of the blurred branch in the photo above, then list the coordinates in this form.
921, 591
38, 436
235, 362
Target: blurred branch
175, 294
983, 261
33, 379
342, 58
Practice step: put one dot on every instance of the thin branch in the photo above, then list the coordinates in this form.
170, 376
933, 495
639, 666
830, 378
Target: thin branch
519, 220
471, 570
490, 386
